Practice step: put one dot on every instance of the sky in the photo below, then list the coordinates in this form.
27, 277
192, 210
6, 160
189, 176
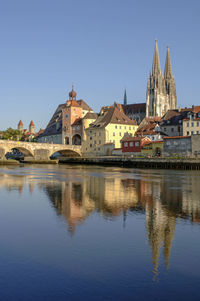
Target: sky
102, 46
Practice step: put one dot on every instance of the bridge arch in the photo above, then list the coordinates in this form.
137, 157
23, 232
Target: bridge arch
66, 153
25, 151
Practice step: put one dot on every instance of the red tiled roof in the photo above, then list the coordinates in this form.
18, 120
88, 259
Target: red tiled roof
157, 141
20, 123
77, 121
112, 115
32, 123
175, 137
134, 107
196, 109
129, 138
84, 105
73, 103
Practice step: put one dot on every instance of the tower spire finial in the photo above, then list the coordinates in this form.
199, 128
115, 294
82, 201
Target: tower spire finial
156, 61
168, 67
125, 97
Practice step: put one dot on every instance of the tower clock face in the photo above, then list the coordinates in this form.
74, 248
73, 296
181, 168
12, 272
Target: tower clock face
66, 116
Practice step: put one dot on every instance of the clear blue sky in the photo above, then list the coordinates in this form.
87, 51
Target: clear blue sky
102, 46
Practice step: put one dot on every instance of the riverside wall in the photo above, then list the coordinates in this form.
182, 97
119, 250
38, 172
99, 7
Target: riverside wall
158, 163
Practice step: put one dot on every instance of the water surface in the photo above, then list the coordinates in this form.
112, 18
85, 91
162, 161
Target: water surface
94, 233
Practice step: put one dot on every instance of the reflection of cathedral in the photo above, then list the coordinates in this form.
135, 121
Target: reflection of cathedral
160, 230
163, 197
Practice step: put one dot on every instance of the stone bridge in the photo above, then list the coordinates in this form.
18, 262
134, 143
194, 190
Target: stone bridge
39, 151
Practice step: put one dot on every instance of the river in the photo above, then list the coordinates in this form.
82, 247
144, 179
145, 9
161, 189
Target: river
95, 233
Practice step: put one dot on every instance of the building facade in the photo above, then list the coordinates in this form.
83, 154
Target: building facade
105, 134
133, 145
161, 90
191, 124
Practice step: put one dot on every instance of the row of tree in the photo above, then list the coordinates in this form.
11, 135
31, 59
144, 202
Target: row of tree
12, 134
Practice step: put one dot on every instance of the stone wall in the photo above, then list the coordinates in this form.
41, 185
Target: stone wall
177, 146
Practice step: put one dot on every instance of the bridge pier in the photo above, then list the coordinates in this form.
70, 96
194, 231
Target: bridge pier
41, 155
2, 154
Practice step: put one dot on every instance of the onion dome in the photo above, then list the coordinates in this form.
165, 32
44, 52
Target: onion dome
72, 94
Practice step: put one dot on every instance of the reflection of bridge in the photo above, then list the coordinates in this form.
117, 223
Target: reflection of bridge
38, 151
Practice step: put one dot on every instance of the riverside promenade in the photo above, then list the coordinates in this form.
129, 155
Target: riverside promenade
158, 163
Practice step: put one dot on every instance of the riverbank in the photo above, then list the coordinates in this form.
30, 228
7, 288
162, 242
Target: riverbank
157, 163
39, 161
9, 162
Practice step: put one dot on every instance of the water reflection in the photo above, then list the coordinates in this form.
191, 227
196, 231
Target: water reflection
163, 197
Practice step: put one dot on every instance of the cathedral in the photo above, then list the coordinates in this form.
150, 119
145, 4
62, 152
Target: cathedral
161, 89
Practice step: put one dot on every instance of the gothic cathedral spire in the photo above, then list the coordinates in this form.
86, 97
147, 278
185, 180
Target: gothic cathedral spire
156, 61
170, 82
161, 90
168, 67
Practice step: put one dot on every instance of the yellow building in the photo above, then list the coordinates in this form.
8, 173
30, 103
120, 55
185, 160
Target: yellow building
155, 148
105, 134
86, 121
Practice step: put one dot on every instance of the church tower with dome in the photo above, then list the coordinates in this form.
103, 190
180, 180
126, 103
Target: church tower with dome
68, 122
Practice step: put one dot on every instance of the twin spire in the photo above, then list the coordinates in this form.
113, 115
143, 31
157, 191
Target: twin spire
156, 70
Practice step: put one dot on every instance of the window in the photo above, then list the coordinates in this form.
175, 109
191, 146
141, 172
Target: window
116, 126
95, 134
90, 145
95, 142
98, 148
188, 133
192, 132
113, 134
120, 134
99, 133
197, 123
137, 143
90, 137
120, 127
129, 128
126, 144
192, 124
197, 132
172, 129
188, 124
99, 141
180, 121
66, 116
125, 127
131, 144
133, 128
